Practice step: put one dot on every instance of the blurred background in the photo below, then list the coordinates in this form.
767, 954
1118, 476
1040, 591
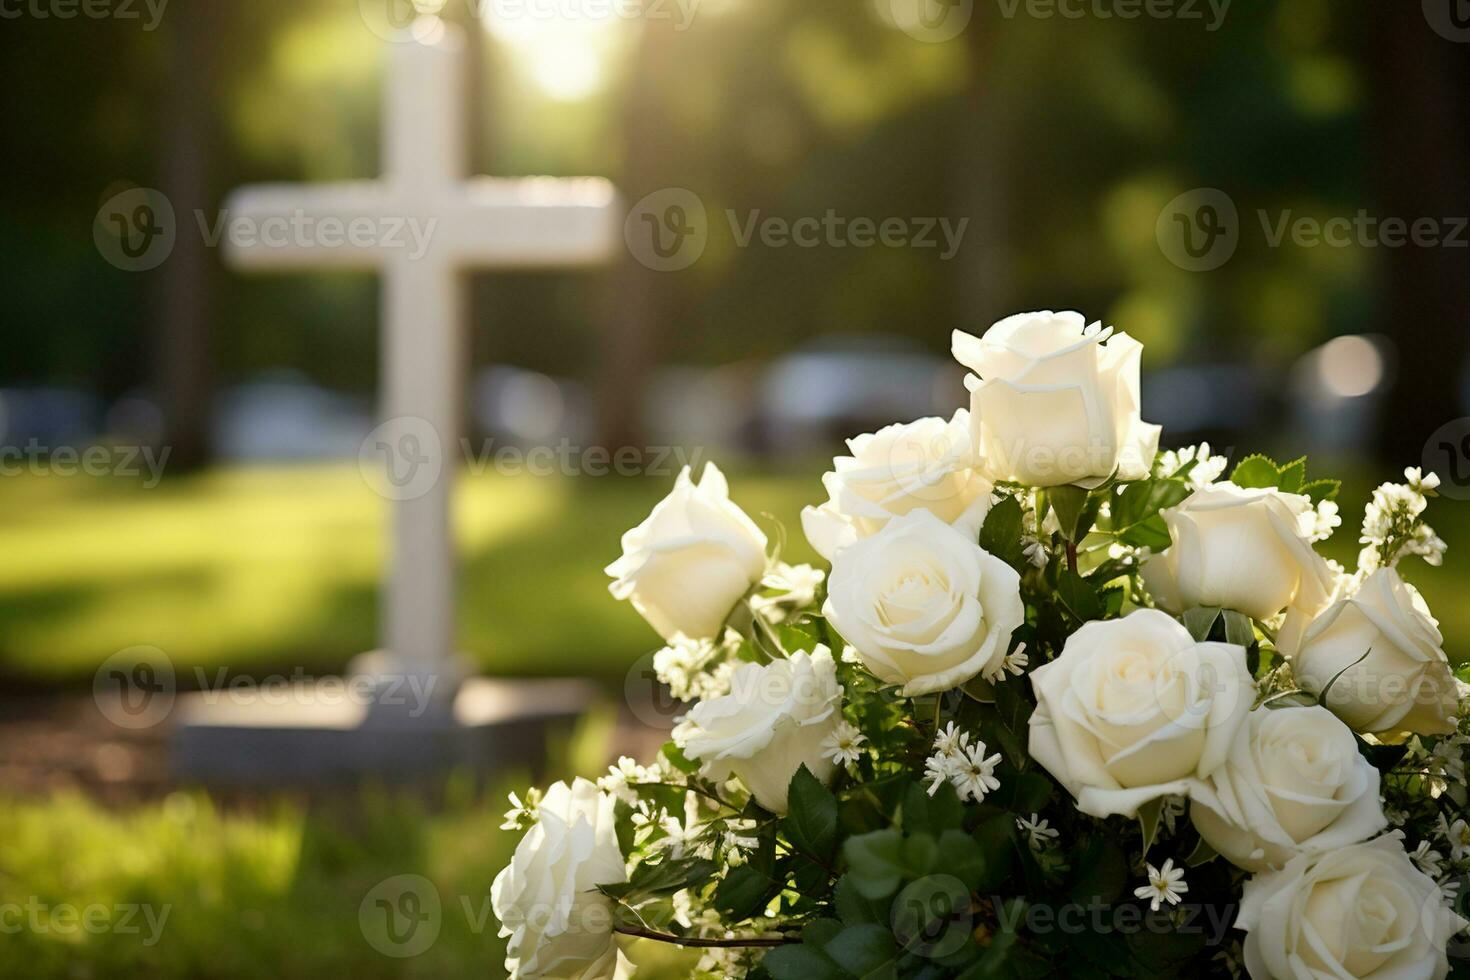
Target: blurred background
1271, 196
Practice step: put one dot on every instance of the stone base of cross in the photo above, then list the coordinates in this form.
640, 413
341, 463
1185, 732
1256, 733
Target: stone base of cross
421, 226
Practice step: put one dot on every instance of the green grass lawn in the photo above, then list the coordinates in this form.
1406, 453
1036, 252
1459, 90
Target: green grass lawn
178, 890
263, 569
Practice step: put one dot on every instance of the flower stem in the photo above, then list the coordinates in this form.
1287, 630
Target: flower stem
690, 941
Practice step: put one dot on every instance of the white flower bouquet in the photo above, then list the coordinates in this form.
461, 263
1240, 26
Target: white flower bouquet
1064, 704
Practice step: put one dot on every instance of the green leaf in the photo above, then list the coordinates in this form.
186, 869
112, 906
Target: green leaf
820, 932
799, 962
920, 851
1320, 490
1238, 628
1151, 533
853, 906
811, 818
1292, 476
961, 857
1203, 853
1145, 499
1079, 598
743, 892
996, 837
1101, 871
875, 862
862, 949
1149, 816
946, 812
670, 875
1256, 472
1070, 506
1001, 533
1200, 621
680, 761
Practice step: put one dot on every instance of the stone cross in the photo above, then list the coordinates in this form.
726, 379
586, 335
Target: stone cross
421, 225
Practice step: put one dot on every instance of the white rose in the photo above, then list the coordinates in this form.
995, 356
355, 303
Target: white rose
1134, 709
771, 724
1294, 783
559, 924
1241, 549
1359, 911
1056, 402
1405, 682
924, 605
687, 565
926, 465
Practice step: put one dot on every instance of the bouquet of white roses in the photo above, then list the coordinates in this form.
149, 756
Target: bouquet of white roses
1063, 704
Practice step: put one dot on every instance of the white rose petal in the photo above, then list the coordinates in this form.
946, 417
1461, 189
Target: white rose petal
1134, 709
924, 605
1241, 549
558, 924
928, 465
1294, 783
687, 565
1359, 911
1405, 682
1056, 402
773, 722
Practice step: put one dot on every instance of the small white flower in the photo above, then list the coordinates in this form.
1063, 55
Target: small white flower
936, 770
1428, 860
1165, 884
1457, 835
1419, 483
1037, 831
951, 741
522, 815
1015, 663
796, 586
974, 775
850, 655
1035, 552
843, 745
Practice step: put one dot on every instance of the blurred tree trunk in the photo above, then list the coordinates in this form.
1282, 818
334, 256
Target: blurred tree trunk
1420, 133
182, 357
983, 290
635, 296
